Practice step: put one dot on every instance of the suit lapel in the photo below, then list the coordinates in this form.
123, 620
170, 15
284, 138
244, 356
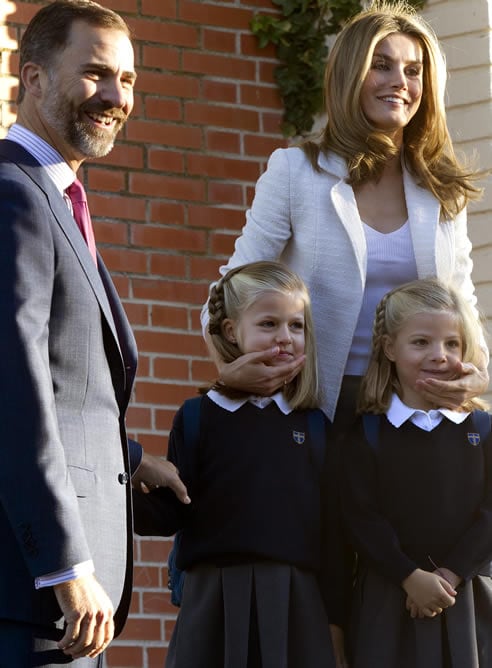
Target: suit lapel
30, 166
125, 337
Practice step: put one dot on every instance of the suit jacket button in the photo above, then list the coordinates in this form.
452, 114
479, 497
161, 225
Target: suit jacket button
123, 478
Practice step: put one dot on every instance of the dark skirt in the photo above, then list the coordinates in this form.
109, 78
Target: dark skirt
261, 615
384, 635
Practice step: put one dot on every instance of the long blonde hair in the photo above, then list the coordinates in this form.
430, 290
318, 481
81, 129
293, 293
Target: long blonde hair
428, 151
235, 293
427, 295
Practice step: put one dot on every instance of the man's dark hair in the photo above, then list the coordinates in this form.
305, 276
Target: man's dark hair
48, 31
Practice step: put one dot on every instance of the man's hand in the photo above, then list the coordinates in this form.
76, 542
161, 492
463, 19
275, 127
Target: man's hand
469, 382
88, 615
257, 373
158, 472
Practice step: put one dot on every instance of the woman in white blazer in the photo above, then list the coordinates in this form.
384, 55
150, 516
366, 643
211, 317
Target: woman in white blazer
379, 200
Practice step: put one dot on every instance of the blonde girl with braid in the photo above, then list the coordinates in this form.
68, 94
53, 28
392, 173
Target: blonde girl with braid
231, 298
417, 491
261, 541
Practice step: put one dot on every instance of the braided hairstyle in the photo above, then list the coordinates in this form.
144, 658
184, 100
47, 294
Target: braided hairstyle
421, 296
233, 294
218, 312
379, 382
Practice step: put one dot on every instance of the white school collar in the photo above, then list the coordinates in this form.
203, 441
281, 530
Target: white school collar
398, 413
233, 405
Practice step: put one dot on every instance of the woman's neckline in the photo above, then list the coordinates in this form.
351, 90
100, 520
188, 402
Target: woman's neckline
385, 234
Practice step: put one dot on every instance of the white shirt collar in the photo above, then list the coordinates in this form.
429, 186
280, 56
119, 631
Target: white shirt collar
398, 413
57, 169
234, 404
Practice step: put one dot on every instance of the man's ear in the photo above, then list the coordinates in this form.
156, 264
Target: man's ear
32, 76
388, 347
229, 330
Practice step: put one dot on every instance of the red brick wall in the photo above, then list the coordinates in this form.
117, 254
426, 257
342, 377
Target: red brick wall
167, 204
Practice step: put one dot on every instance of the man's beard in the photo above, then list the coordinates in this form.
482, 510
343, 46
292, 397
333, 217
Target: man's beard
71, 124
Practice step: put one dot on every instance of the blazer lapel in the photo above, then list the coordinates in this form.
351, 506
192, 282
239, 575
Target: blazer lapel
423, 217
343, 200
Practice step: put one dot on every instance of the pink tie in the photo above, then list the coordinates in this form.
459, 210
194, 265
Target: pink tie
81, 214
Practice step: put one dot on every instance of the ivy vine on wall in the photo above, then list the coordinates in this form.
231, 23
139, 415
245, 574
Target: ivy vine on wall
299, 34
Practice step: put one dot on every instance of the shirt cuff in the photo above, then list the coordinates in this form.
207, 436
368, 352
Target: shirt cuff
77, 571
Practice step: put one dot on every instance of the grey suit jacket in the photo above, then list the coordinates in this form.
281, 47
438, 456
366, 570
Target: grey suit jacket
67, 365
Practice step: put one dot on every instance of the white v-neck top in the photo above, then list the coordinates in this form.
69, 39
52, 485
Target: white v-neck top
390, 263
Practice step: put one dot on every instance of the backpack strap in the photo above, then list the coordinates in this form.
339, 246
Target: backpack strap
481, 422
317, 433
371, 422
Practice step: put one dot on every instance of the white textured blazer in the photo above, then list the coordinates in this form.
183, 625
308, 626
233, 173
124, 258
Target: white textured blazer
310, 221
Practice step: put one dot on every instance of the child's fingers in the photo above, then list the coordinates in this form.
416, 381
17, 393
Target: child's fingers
450, 591
412, 607
447, 599
424, 611
427, 612
431, 611
413, 610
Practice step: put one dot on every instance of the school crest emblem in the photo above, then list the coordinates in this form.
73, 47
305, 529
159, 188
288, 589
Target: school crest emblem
473, 438
299, 437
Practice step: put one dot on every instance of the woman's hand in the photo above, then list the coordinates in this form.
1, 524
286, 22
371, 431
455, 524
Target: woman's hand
257, 373
469, 382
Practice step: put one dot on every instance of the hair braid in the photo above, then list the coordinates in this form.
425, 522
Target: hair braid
217, 302
216, 308
379, 328
377, 383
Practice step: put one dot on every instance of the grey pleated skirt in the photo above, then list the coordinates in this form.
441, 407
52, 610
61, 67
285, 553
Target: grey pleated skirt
383, 634
261, 615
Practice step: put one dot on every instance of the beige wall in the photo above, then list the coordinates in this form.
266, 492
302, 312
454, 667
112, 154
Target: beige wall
464, 28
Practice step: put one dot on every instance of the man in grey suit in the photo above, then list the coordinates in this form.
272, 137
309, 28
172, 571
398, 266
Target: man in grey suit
68, 356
